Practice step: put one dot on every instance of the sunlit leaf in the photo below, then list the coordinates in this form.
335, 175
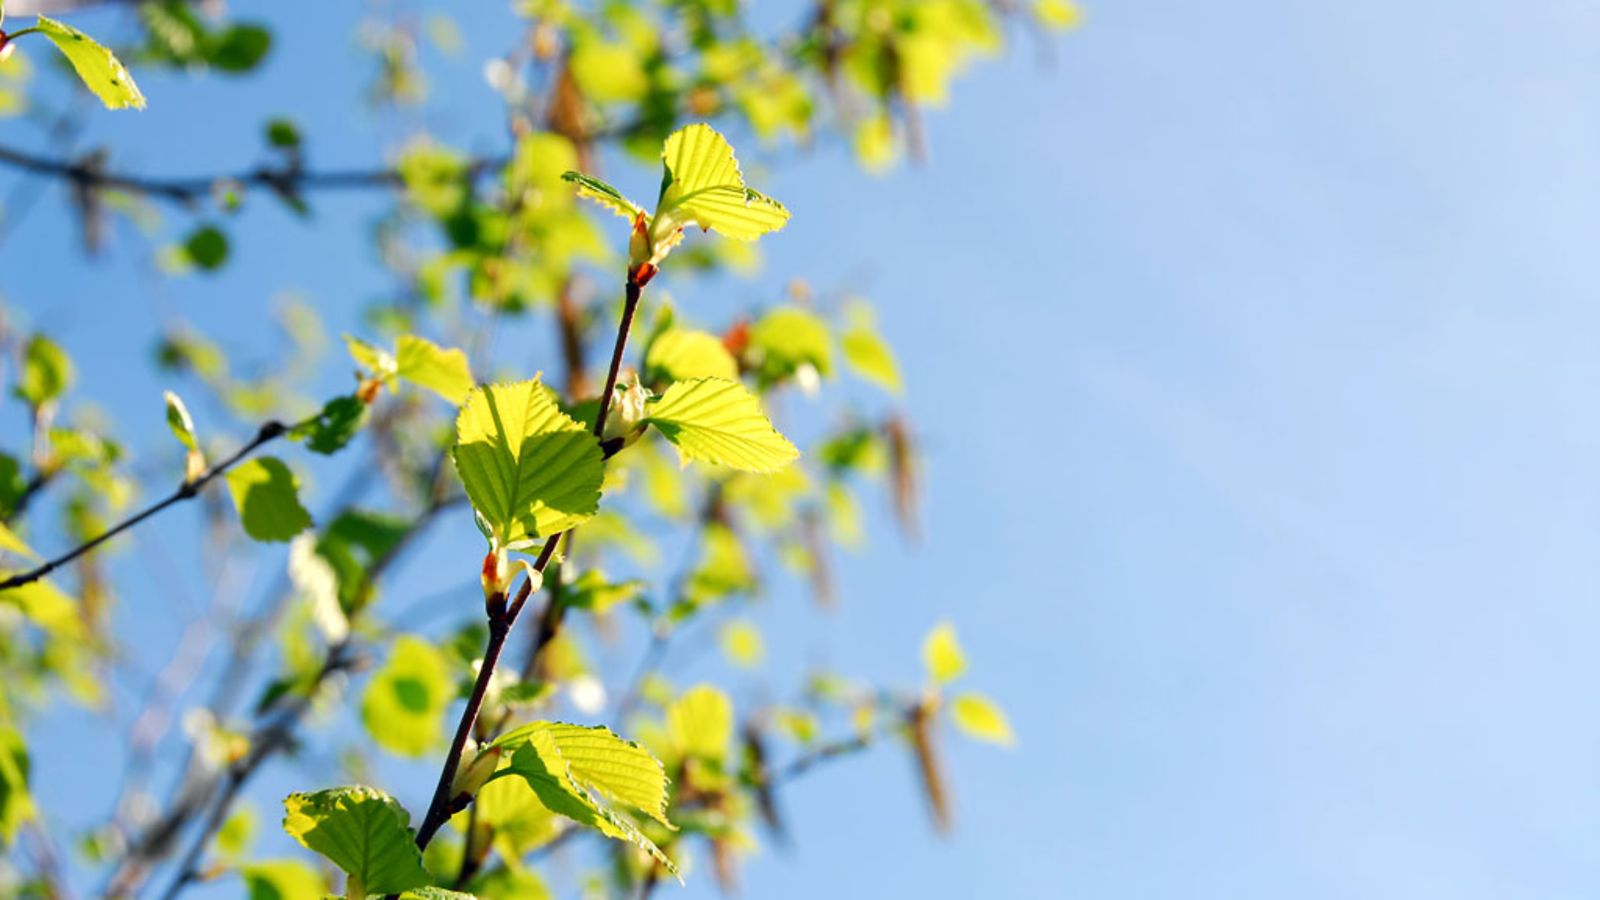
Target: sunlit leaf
528, 468
700, 723
718, 421
178, 420
46, 371
941, 654
705, 186
100, 70
363, 831
604, 194
981, 718
424, 363
682, 353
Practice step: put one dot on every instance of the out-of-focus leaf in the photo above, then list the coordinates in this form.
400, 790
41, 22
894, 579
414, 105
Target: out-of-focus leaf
46, 371
267, 497
424, 363
405, 701
941, 654
701, 723
981, 718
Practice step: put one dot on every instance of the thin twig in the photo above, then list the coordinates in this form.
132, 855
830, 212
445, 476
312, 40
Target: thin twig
187, 491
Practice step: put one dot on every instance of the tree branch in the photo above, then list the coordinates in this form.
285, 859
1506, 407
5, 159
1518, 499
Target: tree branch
187, 491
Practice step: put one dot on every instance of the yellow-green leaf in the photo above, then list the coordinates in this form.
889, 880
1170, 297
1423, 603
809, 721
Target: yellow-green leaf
742, 644
528, 468
405, 702
46, 371
981, 718
701, 723
705, 187
681, 353
426, 364
100, 70
602, 766
941, 654
363, 831
267, 497
867, 353
1061, 14
716, 420
282, 879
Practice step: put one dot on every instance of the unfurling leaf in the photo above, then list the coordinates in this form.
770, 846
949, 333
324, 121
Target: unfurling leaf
941, 654
178, 420
603, 194
718, 421
981, 718
704, 186
363, 831
267, 497
529, 469
100, 70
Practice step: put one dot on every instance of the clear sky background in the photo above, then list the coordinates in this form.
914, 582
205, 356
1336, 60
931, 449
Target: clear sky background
1254, 344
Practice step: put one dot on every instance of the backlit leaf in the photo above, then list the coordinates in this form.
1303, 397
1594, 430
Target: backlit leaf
705, 187
718, 421
46, 371
178, 420
981, 718
528, 468
604, 194
426, 364
681, 353
701, 723
941, 654
363, 831
100, 70
281, 879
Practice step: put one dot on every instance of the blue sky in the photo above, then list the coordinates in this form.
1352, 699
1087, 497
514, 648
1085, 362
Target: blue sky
1253, 343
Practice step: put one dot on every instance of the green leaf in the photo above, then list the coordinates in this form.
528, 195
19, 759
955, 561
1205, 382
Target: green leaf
363, 831
867, 353
283, 134
266, 495
787, 338
406, 700
981, 718
236, 833
704, 186
16, 803
100, 70
681, 353
529, 469
573, 769
206, 247
426, 364
335, 425
241, 48
701, 723
178, 420
941, 654
281, 879
46, 371
376, 360
718, 421
603, 194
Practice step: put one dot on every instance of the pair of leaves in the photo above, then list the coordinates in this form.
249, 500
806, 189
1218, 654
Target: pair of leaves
578, 772
971, 711
702, 185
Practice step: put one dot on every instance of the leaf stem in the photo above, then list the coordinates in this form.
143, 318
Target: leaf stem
269, 432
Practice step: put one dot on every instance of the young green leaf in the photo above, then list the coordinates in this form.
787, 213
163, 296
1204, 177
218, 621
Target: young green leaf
363, 831
282, 878
701, 723
406, 700
267, 497
704, 186
681, 353
178, 420
867, 353
529, 469
46, 371
426, 364
718, 421
571, 768
941, 654
336, 423
604, 194
100, 70
981, 718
